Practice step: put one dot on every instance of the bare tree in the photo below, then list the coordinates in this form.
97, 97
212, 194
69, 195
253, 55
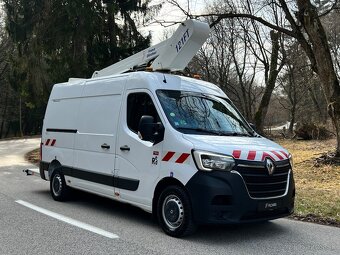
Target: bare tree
331, 23
225, 61
294, 83
304, 24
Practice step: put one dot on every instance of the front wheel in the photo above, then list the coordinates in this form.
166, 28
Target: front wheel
174, 212
58, 187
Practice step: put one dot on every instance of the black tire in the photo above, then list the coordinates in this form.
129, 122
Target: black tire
174, 212
58, 188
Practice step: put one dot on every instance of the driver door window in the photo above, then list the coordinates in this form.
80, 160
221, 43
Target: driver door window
139, 104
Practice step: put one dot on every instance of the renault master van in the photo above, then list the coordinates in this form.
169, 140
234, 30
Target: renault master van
171, 145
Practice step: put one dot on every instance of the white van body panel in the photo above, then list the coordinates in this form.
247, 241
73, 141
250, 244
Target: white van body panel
61, 113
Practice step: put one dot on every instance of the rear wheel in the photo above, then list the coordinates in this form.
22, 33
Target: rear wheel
174, 212
58, 188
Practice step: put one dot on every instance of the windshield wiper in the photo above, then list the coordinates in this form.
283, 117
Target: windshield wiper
201, 130
235, 134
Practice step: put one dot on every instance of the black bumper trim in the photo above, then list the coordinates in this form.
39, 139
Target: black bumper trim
204, 187
58, 130
43, 166
109, 180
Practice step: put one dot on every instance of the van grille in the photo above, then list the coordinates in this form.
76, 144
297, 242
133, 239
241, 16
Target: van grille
262, 185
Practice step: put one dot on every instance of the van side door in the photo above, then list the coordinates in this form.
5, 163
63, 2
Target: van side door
95, 141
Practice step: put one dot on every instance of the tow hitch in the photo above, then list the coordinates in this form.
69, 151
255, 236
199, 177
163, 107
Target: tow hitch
34, 171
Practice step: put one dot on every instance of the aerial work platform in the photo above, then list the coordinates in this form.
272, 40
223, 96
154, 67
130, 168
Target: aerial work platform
173, 54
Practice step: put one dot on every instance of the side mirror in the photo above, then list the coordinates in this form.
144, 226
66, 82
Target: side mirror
150, 131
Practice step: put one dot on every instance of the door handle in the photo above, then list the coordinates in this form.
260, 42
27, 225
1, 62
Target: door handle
125, 148
105, 146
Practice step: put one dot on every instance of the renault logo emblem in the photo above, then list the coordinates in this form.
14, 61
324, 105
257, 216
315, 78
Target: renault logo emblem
270, 166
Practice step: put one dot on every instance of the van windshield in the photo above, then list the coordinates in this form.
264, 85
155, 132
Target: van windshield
197, 113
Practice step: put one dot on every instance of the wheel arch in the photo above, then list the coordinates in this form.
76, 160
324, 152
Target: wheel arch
161, 185
55, 164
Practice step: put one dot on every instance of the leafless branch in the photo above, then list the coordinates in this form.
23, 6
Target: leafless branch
333, 7
247, 16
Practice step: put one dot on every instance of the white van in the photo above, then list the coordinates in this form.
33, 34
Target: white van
171, 145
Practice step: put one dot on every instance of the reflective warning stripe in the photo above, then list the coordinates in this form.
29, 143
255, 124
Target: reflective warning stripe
168, 156
266, 155
180, 160
259, 155
251, 155
47, 143
277, 154
236, 153
284, 154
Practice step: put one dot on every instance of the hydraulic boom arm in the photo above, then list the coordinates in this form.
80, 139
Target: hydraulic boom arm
172, 54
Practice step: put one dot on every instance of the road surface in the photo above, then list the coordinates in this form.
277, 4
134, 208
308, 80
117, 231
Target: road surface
31, 222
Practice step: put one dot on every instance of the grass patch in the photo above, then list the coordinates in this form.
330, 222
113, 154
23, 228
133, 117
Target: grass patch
317, 187
33, 156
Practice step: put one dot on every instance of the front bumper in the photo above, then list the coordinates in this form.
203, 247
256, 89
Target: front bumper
222, 198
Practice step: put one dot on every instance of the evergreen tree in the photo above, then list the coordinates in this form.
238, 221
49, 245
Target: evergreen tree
57, 39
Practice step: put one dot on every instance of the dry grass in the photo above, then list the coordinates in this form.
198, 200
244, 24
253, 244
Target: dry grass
317, 187
33, 156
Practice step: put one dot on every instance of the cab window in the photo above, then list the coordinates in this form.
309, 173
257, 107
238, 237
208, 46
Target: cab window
139, 104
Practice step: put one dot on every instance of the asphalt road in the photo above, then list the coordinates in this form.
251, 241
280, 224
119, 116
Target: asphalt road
129, 230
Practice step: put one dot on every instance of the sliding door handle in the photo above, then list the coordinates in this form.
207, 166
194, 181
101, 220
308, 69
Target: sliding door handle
105, 146
125, 148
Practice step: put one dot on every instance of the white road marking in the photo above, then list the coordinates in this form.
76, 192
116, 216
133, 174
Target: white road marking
68, 220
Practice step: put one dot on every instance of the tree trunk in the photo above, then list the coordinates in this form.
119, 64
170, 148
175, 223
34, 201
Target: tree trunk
4, 113
310, 20
292, 120
261, 113
316, 104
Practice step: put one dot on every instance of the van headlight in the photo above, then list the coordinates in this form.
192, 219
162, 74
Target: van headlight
291, 161
208, 161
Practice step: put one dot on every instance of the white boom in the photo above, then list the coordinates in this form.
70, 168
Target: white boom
172, 54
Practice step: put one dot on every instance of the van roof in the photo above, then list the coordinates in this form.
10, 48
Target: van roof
157, 80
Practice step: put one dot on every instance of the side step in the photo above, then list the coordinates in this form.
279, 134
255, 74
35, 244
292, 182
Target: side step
34, 171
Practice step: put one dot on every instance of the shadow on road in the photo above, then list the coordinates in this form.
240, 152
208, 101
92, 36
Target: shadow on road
223, 234
211, 234
88, 201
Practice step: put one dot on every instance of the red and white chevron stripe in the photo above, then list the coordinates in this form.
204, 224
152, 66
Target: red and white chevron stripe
259, 155
176, 157
53, 141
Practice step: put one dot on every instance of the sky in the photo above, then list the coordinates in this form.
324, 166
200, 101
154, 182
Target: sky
172, 13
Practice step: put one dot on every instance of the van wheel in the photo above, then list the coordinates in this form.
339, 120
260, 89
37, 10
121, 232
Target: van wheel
58, 188
174, 212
